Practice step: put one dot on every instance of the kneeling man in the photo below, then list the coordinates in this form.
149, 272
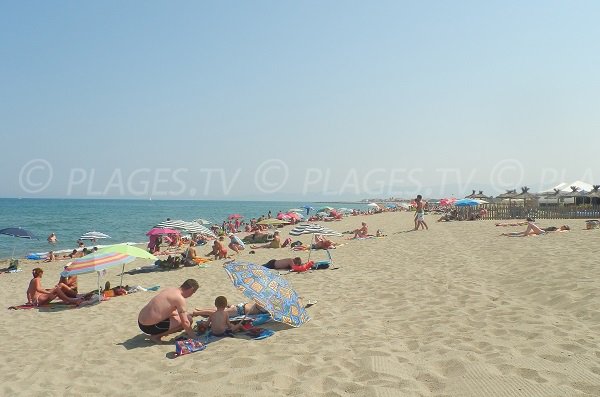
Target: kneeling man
166, 313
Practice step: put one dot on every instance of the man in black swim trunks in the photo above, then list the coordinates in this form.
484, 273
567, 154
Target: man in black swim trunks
166, 312
286, 263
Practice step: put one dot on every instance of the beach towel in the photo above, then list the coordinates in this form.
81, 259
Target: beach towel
48, 306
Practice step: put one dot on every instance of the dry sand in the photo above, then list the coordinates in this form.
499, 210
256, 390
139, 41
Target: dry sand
453, 311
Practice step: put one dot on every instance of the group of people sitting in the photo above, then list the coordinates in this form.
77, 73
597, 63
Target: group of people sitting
65, 290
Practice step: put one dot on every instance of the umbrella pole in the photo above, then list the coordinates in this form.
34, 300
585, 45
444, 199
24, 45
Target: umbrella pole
122, 271
310, 248
99, 292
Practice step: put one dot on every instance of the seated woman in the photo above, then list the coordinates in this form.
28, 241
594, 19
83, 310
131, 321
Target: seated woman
362, 232
68, 285
190, 255
275, 243
37, 296
50, 257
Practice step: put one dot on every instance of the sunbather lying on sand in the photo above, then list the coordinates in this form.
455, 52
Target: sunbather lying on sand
533, 230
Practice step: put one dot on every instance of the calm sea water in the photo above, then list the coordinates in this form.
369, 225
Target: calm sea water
123, 220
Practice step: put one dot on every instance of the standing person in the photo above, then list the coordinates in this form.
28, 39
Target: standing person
52, 238
420, 214
166, 313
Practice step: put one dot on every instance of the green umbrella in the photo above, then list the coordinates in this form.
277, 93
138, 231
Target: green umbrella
127, 250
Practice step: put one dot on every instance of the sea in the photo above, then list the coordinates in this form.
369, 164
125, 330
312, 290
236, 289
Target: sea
123, 220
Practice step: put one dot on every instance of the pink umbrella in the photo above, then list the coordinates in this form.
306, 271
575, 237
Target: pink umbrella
235, 216
447, 201
293, 215
157, 231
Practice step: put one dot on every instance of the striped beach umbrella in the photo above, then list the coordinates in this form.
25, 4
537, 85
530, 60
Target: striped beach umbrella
94, 236
127, 250
172, 224
196, 228
96, 262
313, 228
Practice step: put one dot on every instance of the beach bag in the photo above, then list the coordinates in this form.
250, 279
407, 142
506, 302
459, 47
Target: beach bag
187, 346
321, 265
296, 244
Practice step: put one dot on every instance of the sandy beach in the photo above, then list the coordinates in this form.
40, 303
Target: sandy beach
456, 310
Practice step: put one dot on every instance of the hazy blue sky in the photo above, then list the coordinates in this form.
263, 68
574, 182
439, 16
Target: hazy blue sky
275, 100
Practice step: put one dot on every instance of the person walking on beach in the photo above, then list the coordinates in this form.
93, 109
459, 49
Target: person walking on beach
420, 214
166, 313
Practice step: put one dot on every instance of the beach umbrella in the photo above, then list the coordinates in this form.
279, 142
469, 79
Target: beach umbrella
312, 228
196, 228
235, 216
157, 231
18, 233
294, 215
373, 205
465, 203
172, 224
404, 205
127, 250
272, 221
325, 209
96, 262
447, 201
202, 221
269, 290
295, 210
94, 236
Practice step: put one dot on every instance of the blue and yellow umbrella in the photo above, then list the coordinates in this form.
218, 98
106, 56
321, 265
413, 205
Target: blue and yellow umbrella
269, 290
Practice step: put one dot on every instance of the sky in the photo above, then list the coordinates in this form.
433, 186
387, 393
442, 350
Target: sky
302, 100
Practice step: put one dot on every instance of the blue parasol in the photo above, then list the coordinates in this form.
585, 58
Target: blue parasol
269, 290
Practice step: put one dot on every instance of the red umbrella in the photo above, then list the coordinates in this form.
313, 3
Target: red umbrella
293, 215
235, 216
